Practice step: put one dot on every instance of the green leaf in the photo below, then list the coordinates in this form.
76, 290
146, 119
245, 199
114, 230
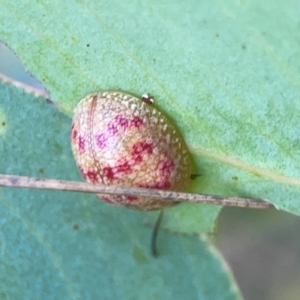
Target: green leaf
60, 245
227, 74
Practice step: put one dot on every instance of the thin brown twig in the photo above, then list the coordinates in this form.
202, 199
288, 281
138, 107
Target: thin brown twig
83, 187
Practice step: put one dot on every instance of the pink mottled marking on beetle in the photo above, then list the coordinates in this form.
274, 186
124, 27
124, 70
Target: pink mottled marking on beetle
123, 166
136, 122
139, 149
122, 121
73, 133
91, 175
132, 198
166, 167
112, 128
126, 123
165, 185
101, 140
109, 173
81, 144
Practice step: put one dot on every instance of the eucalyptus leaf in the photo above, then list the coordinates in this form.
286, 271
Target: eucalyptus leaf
227, 74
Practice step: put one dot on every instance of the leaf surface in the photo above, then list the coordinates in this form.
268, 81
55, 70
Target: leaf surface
60, 245
227, 74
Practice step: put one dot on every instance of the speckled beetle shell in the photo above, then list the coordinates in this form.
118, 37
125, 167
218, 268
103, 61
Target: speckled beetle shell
117, 139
